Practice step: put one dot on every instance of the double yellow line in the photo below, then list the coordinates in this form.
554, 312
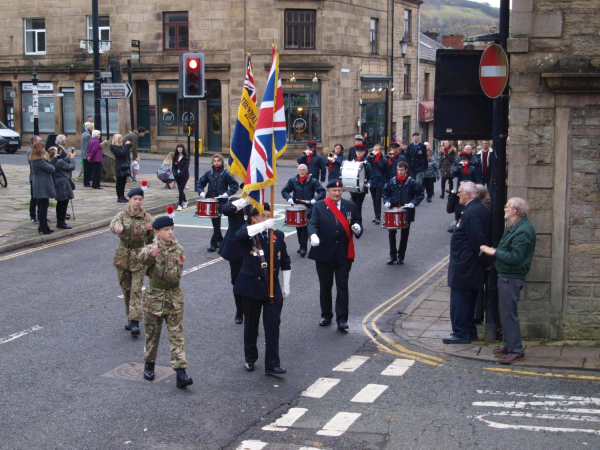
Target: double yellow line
397, 349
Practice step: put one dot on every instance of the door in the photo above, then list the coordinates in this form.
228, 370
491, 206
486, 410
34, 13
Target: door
214, 125
9, 115
143, 112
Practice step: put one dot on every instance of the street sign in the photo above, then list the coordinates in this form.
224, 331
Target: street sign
105, 75
493, 71
115, 90
60, 94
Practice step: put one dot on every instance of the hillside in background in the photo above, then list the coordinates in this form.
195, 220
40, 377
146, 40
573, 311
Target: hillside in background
458, 17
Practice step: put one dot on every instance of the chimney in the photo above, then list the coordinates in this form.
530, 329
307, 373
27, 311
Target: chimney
454, 41
432, 35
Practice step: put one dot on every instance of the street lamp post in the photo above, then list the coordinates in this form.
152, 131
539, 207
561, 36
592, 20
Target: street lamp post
35, 102
97, 81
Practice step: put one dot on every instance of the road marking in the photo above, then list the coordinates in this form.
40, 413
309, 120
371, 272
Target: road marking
547, 374
398, 367
320, 387
351, 364
543, 406
287, 420
339, 424
252, 445
589, 400
14, 336
546, 416
369, 393
506, 426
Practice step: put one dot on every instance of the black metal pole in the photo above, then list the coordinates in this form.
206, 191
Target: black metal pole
107, 128
189, 123
35, 102
197, 144
97, 81
130, 81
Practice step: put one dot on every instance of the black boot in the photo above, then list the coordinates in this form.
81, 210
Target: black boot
63, 226
182, 379
239, 317
135, 328
149, 371
128, 325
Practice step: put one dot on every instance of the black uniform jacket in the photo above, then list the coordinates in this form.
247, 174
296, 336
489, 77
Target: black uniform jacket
251, 281
307, 190
336, 167
378, 172
332, 236
467, 268
400, 194
472, 175
231, 249
416, 157
392, 169
219, 183
316, 167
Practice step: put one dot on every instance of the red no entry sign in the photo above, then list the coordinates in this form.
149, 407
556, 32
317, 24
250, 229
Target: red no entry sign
493, 71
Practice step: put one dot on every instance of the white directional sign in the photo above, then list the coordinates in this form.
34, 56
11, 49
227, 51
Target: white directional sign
105, 75
60, 94
115, 90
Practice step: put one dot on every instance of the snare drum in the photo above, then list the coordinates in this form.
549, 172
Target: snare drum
295, 216
207, 207
394, 218
353, 176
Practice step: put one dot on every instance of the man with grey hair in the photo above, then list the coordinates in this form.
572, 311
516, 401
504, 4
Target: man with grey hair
86, 135
512, 259
466, 273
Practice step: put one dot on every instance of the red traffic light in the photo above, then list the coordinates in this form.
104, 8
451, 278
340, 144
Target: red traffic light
193, 64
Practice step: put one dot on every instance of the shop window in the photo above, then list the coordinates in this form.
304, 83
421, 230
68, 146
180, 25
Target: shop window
45, 108
303, 111
103, 33
175, 31
113, 110
299, 29
35, 36
173, 118
68, 110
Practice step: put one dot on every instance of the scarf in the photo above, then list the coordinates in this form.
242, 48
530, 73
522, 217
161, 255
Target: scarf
359, 159
302, 179
446, 150
377, 157
401, 179
217, 169
391, 161
484, 159
310, 156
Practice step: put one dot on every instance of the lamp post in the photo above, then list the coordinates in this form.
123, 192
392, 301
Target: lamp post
35, 101
97, 81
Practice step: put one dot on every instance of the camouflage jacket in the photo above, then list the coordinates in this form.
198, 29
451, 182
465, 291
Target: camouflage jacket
167, 265
137, 232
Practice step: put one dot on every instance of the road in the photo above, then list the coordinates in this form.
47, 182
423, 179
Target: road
72, 375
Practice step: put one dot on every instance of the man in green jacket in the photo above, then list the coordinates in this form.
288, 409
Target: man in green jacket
513, 261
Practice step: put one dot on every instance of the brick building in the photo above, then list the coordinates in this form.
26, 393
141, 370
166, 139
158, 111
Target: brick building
346, 46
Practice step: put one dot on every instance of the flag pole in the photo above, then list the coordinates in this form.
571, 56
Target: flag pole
271, 250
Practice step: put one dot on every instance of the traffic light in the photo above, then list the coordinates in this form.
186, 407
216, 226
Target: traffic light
191, 75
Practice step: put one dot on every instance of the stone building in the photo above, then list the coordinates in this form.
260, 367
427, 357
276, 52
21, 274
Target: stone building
555, 160
346, 47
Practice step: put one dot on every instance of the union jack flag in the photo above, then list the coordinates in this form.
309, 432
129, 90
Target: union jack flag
270, 141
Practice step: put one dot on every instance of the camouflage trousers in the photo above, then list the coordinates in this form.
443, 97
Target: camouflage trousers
164, 305
131, 285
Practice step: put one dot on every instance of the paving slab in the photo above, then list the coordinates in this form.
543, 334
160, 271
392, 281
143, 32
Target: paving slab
580, 352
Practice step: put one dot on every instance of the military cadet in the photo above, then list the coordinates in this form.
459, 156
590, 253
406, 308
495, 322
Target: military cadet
134, 228
220, 185
416, 157
253, 284
466, 167
359, 197
335, 162
391, 161
237, 212
403, 191
314, 162
305, 190
358, 140
377, 180
163, 299
333, 223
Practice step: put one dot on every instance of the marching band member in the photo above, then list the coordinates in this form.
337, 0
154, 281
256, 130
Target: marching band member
359, 197
305, 190
333, 223
335, 162
377, 179
253, 286
314, 162
403, 191
392, 159
220, 185
358, 140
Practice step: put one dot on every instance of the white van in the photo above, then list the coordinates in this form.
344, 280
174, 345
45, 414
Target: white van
9, 139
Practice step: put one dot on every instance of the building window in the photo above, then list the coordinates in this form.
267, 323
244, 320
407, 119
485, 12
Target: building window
407, 25
35, 36
426, 90
299, 29
373, 35
68, 107
173, 118
175, 30
45, 108
406, 79
113, 110
406, 128
103, 33
302, 100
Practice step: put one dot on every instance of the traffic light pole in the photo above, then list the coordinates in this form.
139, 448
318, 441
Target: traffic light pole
197, 143
96, 49
130, 81
35, 102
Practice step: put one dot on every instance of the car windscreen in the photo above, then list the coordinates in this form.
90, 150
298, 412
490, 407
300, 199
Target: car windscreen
3, 127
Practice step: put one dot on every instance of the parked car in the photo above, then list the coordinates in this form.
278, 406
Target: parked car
9, 139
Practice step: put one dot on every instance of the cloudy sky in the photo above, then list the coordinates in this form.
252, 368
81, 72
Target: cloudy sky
495, 3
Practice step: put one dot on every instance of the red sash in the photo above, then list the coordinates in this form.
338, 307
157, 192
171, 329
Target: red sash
342, 220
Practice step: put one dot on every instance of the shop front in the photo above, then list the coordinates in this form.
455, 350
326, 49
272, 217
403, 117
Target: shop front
374, 110
302, 100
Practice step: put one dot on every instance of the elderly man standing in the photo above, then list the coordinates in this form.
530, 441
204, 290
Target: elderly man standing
86, 135
466, 272
512, 260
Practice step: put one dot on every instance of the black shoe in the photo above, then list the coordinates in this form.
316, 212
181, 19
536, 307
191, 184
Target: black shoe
275, 371
218, 244
128, 325
239, 318
63, 226
298, 251
442, 196
374, 220
324, 322
212, 248
249, 367
303, 253
400, 261
182, 379
122, 200
87, 185
45, 230
98, 188
149, 371
135, 328
428, 199
34, 220
342, 326
455, 340
377, 221
391, 261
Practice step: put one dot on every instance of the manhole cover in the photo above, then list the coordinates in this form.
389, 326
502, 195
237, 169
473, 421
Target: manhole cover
134, 371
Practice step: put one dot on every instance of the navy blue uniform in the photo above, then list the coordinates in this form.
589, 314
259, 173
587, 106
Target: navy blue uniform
377, 181
391, 169
316, 166
416, 157
252, 287
359, 197
471, 175
335, 167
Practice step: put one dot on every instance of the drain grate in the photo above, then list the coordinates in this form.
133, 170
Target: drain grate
134, 371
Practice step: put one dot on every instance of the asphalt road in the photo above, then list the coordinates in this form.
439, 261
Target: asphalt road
72, 375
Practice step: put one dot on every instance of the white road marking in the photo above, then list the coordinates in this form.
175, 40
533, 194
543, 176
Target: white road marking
287, 420
14, 336
351, 364
369, 393
320, 387
339, 424
398, 367
590, 400
252, 445
506, 426
542, 406
546, 416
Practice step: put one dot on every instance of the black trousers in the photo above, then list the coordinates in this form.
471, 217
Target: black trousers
61, 211
234, 268
450, 184
121, 181
271, 321
87, 172
96, 169
376, 196
181, 186
401, 252
462, 312
217, 236
42, 204
429, 183
33, 203
358, 199
326, 273
302, 233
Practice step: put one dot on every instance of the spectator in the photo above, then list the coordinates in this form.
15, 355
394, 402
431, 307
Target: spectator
431, 174
134, 137
95, 159
86, 136
90, 119
166, 171
42, 184
446, 162
64, 165
394, 137
32, 202
122, 164
181, 172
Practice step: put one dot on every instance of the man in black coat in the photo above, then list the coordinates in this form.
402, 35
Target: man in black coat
305, 190
401, 190
416, 157
238, 213
314, 162
377, 180
253, 286
466, 272
358, 140
332, 226
221, 185
359, 197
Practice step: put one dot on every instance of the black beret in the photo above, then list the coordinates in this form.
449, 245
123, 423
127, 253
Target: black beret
135, 191
311, 144
360, 147
334, 184
255, 211
416, 133
394, 145
161, 222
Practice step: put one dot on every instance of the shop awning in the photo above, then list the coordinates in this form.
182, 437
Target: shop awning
426, 111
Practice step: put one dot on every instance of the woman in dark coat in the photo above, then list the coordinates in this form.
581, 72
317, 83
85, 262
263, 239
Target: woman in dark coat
64, 164
122, 164
181, 171
42, 184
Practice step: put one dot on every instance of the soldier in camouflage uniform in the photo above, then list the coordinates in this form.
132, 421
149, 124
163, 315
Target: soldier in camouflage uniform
163, 299
134, 228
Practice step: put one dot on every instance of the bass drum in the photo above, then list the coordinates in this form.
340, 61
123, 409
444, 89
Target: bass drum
353, 176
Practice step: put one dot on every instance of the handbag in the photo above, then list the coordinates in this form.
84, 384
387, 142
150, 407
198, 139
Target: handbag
125, 169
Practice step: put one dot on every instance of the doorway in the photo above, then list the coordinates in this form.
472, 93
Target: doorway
143, 112
215, 122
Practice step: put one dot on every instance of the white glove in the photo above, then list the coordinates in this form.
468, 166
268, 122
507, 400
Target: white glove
314, 240
409, 205
225, 195
367, 185
270, 224
291, 201
257, 228
356, 229
387, 204
240, 203
286, 282
313, 201
202, 194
